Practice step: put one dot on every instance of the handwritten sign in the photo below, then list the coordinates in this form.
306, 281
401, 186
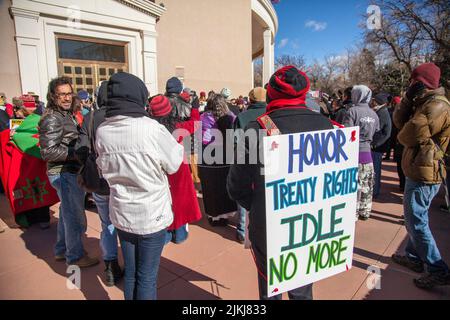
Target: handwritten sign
15, 123
311, 181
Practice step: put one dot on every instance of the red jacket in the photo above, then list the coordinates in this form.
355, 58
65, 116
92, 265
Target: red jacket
184, 198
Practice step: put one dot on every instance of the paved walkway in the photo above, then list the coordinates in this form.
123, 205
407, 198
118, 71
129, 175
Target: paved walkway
212, 265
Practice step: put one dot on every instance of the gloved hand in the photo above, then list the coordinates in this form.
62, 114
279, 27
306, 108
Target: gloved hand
414, 90
195, 102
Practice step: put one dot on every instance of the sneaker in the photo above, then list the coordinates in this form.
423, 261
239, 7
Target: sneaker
432, 280
218, 223
60, 257
113, 272
408, 263
86, 262
240, 238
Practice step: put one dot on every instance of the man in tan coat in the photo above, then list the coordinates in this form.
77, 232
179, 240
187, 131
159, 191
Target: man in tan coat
423, 118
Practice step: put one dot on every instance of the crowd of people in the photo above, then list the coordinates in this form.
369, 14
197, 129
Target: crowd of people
146, 182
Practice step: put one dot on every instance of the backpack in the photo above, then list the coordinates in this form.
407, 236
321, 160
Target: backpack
89, 177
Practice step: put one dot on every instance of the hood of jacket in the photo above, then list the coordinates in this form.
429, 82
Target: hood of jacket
126, 96
361, 95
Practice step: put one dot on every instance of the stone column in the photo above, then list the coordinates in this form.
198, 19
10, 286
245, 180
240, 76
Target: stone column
268, 61
31, 54
150, 61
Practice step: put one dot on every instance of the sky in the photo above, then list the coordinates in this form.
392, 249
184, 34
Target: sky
317, 28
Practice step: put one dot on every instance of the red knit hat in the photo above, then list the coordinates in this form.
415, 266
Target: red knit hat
397, 100
287, 87
427, 73
160, 106
28, 101
185, 96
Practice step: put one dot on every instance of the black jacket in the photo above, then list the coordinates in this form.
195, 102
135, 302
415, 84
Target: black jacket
84, 139
339, 115
4, 120
83, 142
380, 138
58, 133
245, 183
233, 108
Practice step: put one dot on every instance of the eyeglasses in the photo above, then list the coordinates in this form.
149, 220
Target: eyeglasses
64, 95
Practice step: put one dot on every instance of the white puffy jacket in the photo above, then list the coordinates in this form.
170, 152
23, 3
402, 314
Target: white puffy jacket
134, 156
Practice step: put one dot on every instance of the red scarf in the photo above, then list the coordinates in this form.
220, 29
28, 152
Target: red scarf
286, 103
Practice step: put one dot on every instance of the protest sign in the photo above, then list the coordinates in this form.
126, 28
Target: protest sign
311, 181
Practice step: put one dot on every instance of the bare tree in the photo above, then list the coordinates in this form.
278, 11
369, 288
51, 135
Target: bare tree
287, 60
258, 73
331, 68
315, 73
415, 32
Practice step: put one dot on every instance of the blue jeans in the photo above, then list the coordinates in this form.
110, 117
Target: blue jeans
108, 236
240, 229
377, 160
177, 236
72, 218
141, 254
421, 246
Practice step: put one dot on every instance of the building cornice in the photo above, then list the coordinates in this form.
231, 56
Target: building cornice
267, 4
18, 12
146, 6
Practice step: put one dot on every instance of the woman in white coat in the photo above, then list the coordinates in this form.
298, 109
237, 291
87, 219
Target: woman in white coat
135, 154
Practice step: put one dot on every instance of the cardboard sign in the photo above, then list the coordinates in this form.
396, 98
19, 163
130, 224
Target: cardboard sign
15, 123
311, 181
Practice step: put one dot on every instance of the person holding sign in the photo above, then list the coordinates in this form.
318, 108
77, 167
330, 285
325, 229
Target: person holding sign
286, 113
363, 116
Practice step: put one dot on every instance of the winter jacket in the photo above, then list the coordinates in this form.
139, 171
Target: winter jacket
380, 138
208, 123
339, 115
361, 115
180, 108
184, 197
83, 145
4, 120
233, 108
58, 133
424, 132
135, 154
85, 139
253, 111
245, 182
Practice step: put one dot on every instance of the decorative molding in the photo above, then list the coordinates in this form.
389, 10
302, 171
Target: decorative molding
267, 4
145, 6
18, 12
147, 33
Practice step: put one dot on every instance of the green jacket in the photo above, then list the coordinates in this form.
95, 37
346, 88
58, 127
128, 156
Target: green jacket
253, 111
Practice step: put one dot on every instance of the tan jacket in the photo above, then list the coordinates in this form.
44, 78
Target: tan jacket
423, 124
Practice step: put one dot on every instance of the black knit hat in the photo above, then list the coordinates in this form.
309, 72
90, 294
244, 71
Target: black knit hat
174, 85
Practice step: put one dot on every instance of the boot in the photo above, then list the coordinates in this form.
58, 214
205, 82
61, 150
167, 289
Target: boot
113, 272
